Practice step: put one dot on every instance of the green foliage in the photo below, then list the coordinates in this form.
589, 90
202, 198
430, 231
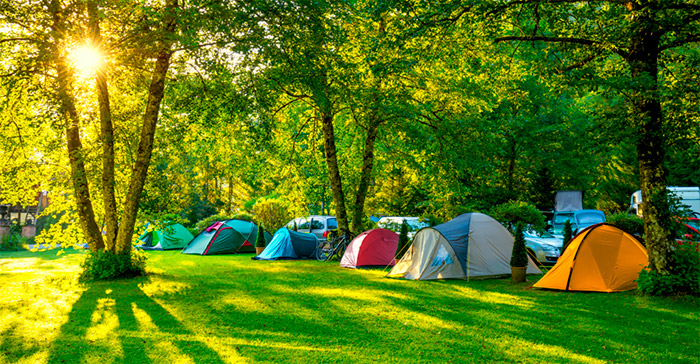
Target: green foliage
684, 278
104, 265
568, 234
512, 213
403, 239
271, 212
11, 241
205, 223
260, 240
519, 255
632, 224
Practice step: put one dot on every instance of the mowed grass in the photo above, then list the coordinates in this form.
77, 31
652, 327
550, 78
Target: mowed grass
230, 309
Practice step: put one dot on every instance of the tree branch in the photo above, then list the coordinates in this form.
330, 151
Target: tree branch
582, 41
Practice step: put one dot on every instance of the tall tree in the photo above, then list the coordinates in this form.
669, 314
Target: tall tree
612, 33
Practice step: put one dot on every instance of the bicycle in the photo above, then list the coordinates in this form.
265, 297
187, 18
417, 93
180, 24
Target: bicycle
334, 246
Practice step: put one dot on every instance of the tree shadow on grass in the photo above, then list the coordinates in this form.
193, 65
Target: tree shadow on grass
128, 327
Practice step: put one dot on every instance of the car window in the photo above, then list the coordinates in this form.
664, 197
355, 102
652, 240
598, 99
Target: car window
560, 219
316, 224
303, 225
332, 224
589, 219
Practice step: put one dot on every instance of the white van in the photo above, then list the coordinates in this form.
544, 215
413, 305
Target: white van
689, 196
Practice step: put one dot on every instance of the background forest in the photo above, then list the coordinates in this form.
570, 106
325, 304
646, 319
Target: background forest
430, 110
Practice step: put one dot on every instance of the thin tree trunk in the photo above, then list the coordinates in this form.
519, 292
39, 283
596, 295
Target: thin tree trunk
150, 119
366, 174
107, 137
651, 145
334, 170
76, 155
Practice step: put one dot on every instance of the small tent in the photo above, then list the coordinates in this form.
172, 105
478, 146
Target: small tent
174, 236
289, 244
226, 237
601, 258
470, 245
376, 247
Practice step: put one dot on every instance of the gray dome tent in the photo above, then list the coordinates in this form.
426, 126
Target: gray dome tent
470, 245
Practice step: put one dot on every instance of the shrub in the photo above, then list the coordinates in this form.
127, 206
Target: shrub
104, 265
684, 277
260, 240
632, 224
519, 256
271, 212
512, 213
568, 234
403, 239
205, 223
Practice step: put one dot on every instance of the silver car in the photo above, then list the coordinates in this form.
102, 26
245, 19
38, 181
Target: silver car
545, 248
318, 225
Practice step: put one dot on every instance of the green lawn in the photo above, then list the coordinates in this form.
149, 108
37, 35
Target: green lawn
231, 309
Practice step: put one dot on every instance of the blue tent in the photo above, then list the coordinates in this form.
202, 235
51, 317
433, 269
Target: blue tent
289, 244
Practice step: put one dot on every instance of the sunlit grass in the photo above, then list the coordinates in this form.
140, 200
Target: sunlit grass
230, 309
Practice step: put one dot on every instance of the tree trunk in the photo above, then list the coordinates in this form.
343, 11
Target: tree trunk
76, 156
150, 119
366, 174
651, 144
333, 169
107, 137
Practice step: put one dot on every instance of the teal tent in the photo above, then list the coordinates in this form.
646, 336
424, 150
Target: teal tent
289, 244
226, 237
173, 236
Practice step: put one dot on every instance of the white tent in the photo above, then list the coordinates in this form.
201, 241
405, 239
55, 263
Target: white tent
470, 245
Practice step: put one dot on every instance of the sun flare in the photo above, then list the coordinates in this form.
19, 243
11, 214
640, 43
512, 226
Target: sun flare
86, 59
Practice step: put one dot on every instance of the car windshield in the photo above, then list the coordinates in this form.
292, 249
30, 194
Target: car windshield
589, 219
560, 219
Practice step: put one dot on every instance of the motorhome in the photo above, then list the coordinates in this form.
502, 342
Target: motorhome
689, 196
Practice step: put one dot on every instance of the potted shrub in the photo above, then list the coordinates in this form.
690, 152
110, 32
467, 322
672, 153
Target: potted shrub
518, 259
568, 234
260, 240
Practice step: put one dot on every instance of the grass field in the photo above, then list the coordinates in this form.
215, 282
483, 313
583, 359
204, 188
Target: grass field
230, 309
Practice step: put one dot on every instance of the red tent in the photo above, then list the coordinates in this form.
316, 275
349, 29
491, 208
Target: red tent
375, 247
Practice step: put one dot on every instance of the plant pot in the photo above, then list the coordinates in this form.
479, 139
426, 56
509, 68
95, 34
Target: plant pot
259, 249
518, 274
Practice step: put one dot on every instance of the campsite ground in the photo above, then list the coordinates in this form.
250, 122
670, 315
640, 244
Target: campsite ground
230, 309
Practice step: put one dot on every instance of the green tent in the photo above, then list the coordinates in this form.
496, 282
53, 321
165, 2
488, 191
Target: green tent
226, 237
174, 236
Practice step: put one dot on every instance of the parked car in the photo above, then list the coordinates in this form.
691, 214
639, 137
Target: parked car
543, 247
691, 229
393, 223
579, 219
318, 225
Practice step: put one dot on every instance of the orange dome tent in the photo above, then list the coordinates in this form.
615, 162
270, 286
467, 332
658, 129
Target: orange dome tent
602, 258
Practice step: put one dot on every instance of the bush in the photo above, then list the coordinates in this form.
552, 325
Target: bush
271, 212
519, 256
260, 240
403, 239
632, 224
683, 279
512, 213
568, 234
104, 265
205, 223
13, 239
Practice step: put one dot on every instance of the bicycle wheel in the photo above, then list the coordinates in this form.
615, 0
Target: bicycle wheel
340, 250
324, 251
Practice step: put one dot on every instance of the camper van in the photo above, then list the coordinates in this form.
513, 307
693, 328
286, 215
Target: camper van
689, 196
